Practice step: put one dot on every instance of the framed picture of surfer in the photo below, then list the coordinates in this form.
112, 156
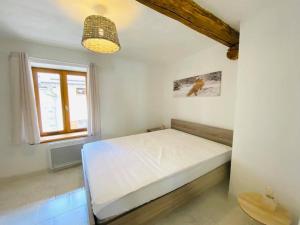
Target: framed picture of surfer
206, 85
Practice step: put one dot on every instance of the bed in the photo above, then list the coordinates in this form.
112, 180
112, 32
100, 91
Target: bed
132, 179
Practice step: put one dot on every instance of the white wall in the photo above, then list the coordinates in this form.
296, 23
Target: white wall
134, 96
267, 126
125, 105
215, 111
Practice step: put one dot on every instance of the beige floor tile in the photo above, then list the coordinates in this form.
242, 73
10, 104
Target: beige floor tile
75, 217
34, 200
78, 198
54, 207
47, 222
22, 216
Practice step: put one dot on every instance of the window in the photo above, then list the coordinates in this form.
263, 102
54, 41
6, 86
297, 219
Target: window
61, 101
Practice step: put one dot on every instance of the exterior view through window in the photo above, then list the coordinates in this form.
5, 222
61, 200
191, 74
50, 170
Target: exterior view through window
61, 101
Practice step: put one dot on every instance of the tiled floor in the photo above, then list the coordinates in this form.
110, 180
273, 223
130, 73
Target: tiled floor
59, 199
45, 199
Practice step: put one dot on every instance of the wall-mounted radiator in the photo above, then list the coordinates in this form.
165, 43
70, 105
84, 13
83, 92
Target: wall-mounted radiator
64, 156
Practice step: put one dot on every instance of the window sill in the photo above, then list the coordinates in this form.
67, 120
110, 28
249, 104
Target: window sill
61, 137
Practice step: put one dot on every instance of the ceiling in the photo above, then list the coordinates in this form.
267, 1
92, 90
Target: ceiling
143, 33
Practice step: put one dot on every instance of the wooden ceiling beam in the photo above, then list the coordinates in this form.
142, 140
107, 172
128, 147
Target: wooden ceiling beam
194, 16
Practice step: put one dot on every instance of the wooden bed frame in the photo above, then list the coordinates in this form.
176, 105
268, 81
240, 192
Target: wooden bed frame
178, 197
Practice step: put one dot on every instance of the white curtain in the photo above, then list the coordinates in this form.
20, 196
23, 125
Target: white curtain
93, 95
24, 114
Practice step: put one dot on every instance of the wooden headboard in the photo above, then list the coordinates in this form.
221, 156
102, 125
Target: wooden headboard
216, 134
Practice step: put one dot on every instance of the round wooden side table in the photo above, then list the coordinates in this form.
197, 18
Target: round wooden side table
253, 205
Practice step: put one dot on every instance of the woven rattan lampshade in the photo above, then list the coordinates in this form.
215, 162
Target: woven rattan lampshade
100, 35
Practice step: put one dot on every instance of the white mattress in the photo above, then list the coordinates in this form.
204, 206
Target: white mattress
124, 173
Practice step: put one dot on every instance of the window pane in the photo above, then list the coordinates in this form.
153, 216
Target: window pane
77, 101
50, 102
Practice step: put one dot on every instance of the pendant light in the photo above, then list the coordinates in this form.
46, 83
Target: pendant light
100, 35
